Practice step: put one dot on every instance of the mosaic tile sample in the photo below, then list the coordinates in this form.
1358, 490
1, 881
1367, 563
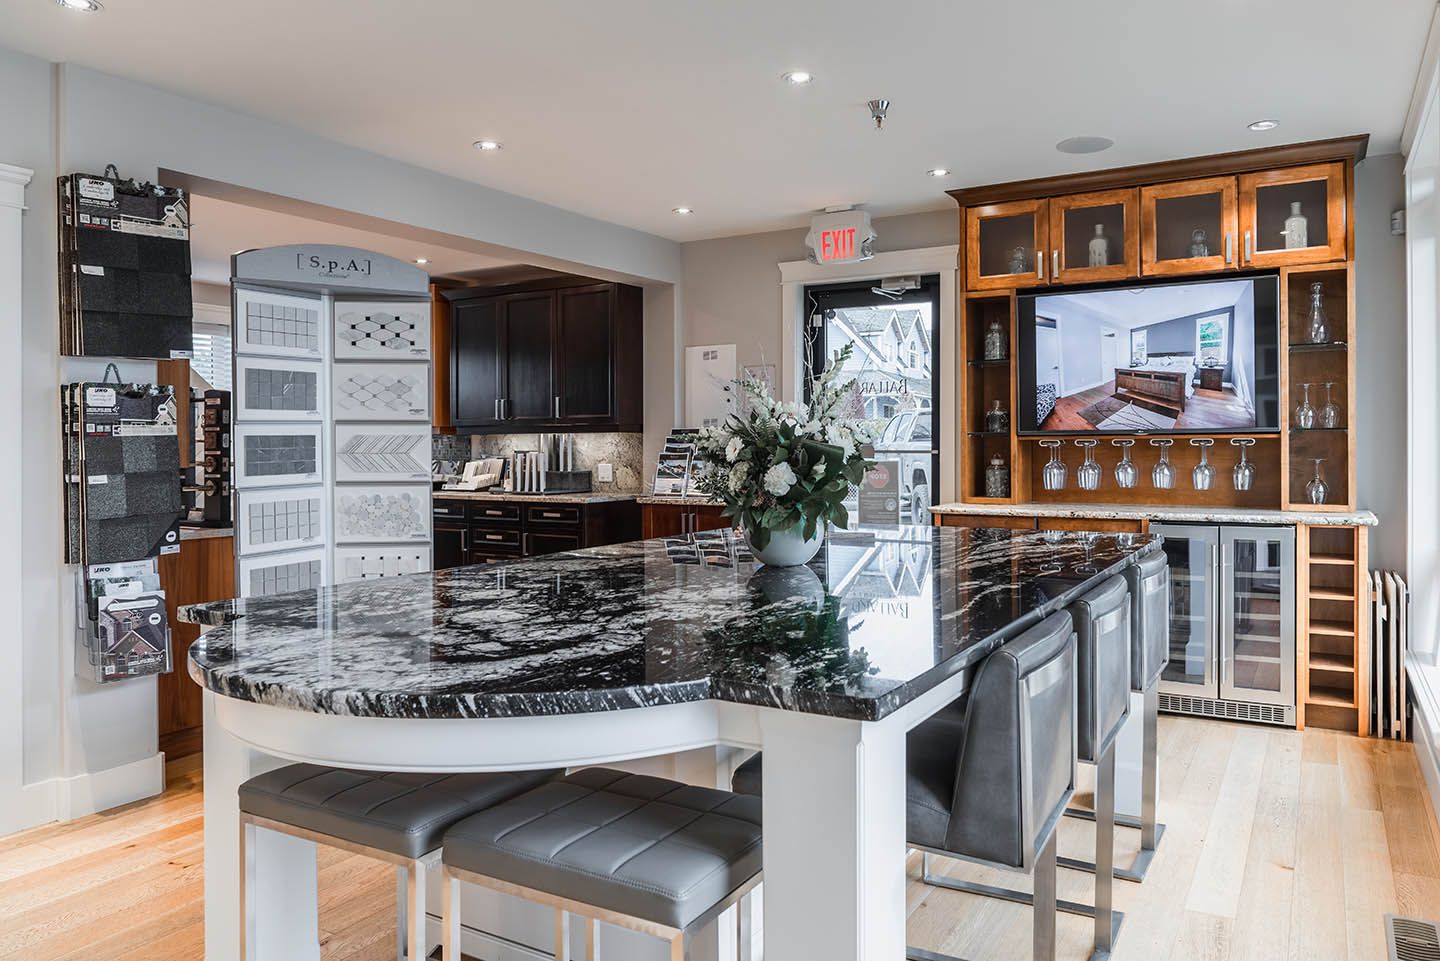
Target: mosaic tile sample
284, 578
283, 325
284, 454
381, 391
370, 330
278, 390
363, 563
382, 514
292, 519
382, 453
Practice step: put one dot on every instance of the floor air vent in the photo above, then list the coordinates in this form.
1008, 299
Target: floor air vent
1228, 710
1410, 939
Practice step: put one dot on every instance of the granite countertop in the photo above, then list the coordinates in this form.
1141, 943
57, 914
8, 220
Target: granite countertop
200, 533
587, 497
873, 622
1167, 512
699, 499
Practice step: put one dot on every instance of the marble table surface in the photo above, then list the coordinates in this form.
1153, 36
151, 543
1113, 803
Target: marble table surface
877, 619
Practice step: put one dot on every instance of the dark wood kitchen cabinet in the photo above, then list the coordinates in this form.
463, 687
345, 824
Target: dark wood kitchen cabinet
682, 517
474, 531
558, 358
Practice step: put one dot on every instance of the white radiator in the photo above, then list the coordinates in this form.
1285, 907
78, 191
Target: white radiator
1389, 642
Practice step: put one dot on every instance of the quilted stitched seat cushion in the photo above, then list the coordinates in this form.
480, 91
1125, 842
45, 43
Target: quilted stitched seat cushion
749, 777
646, 847
404, 814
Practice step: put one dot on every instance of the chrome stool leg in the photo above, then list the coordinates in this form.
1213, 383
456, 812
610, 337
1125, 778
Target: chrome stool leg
1151, 831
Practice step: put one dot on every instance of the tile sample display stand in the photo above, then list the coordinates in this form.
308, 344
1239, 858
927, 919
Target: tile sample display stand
332, 417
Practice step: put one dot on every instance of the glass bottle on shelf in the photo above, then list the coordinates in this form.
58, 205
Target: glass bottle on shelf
1199, 243
1126, 474
1297, 228
996, 420
1243, 476
1099, 248
997, 478
1019, 261
1203, 475
1317, 490
995, 346
1052, 478
1305, 413
1319, 331
1163, 476
1087, 475
1329, 414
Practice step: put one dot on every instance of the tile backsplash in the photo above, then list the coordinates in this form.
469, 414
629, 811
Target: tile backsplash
624, 451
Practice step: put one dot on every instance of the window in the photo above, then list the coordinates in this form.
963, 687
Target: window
1210, 337
211, 359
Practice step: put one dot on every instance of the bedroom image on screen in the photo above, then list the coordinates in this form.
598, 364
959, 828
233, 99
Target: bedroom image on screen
1182, 358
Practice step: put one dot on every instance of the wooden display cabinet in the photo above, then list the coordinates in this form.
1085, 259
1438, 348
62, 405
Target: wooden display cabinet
1331, 362
1171, 213
1073, 222
982, 384
1332, 612
1266, 201
993, 232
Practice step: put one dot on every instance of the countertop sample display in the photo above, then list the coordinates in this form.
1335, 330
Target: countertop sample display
188, 533
643, 624
700, 501
1193, 515
531, 497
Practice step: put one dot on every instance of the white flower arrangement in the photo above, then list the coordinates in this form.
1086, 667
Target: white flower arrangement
787, 464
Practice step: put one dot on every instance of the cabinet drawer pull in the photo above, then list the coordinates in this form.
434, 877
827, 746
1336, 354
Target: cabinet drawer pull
554, 514
494, 537
491, 512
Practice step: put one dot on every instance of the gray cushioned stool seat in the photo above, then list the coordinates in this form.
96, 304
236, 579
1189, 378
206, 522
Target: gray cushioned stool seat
747, 777
405, 814
641, 846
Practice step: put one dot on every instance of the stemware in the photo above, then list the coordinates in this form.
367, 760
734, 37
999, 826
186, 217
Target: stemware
1319, 323
1305, 413
1330, 413
1317, 490
1052, 478
1087, 475
1126, 474
1243, 476
1163, 476
1203, 475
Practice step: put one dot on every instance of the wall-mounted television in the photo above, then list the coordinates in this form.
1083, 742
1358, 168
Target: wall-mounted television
1153, 358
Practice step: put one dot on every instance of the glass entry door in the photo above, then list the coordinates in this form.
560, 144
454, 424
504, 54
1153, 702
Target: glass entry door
1257, 660
1193, 554
895, 365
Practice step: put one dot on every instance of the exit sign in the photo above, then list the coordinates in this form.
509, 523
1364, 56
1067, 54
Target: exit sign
845, 237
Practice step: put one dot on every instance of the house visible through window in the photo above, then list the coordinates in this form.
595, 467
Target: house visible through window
1210, 338
211, 359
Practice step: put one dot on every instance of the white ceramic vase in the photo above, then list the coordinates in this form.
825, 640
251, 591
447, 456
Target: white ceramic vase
788, 547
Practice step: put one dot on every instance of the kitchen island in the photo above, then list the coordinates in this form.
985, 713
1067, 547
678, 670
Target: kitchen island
640, 650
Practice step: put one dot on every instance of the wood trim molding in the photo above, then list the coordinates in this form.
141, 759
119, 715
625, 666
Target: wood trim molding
13, 181
1212, 165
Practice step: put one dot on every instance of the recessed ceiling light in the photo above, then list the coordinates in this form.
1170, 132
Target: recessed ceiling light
939, 171
81, 6
1084, 144
682, 210
1261, 126
421, 261
797, 78
488, 145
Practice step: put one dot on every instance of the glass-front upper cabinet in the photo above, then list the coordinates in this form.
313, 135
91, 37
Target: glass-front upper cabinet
1006, 245
1095, 236
1293, 216
1189, 226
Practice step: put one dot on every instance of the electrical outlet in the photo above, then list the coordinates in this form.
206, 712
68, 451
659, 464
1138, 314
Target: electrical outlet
605, 473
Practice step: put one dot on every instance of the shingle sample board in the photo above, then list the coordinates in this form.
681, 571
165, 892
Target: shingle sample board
124, 269
122, 472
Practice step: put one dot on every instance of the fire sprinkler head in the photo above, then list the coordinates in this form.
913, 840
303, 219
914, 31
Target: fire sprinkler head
877, 111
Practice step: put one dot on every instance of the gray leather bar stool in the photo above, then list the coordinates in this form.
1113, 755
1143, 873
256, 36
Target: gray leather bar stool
989, 777
394, 817
1149, 583
1102, 632
645, 853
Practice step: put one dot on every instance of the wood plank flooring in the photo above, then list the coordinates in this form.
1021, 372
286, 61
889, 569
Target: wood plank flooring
1282, 846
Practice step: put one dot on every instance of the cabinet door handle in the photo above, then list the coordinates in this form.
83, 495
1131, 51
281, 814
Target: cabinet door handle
497, 408
557, 405
505, 408
1055, 263
1039, 263
1247, 247
1229, 248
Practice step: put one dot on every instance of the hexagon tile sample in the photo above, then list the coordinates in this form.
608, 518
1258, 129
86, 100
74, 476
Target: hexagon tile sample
370, 330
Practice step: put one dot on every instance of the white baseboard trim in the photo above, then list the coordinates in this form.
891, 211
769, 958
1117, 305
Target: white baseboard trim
1423, 721
65, 799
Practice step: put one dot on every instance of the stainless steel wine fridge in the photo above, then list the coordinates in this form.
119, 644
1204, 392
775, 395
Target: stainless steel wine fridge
1232, 622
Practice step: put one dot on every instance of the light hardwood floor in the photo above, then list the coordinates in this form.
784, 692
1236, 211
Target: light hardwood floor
1282, 846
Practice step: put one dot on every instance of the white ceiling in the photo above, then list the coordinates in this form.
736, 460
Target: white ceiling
1128, 308
626, 108
220, 228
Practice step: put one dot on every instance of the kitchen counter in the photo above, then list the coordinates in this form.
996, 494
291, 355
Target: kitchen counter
1184, 515
586, 497
641, 624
